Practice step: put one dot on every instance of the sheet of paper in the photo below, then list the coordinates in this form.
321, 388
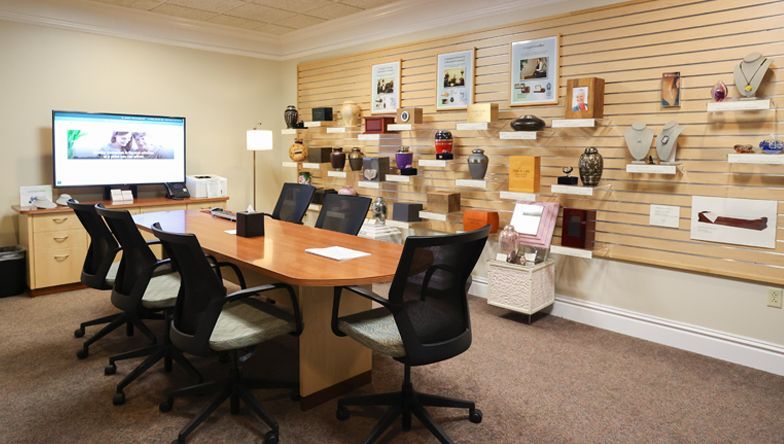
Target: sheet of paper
337, 253
665, 216
234, 231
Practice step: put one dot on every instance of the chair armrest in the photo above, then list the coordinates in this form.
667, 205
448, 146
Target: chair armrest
218, 265
268, 307
336, 304
368, 294
153, 241
159, 270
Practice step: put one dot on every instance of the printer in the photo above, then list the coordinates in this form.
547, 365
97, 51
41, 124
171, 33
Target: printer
207, 185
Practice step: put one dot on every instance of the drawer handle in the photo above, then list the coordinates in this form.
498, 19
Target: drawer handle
60, 238
61, 257
59, 220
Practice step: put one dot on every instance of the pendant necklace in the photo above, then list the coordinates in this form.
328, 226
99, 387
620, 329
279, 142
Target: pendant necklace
748, 86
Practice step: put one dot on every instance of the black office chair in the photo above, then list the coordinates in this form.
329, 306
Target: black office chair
293, 202
344, 214
207, 321
98, 271
144, 286
424, 320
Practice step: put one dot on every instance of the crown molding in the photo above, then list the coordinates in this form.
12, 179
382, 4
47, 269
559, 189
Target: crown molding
395, 23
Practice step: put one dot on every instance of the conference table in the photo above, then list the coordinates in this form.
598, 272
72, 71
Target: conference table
328, 365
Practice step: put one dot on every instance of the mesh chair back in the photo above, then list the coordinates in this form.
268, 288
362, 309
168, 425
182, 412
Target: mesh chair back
429, 294
137, 264
102, 250
201, 294
344, 214
293, 202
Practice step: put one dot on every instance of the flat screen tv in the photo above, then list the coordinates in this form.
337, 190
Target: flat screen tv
101, 149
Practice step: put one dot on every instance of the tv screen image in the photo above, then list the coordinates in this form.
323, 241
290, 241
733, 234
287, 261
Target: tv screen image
112, 149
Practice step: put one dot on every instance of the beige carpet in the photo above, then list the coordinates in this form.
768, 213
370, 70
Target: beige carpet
554, 381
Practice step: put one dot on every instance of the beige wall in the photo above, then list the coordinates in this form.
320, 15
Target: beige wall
221, 97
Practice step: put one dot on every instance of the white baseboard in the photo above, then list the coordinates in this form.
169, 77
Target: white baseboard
749, 352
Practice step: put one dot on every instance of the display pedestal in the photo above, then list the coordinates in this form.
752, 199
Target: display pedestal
522, 289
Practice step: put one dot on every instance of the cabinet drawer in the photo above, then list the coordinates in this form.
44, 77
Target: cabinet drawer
163, 208
59, 240
206, 205
58, 266
55, 222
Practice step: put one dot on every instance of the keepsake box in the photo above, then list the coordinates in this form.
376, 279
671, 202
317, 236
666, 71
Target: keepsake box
319, 155
475, 219
377, 125
443, 202
406, 212
321, 114
524, 174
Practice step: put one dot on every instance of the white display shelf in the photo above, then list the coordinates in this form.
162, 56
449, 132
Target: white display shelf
577, 190
337, 130
517, 196
471, 183
314, 207
333, 173
289, 164
756, 159
374, 136
397, 178
288, 131
472, 126
642, 168
399, 127
568, 251
319, 124
437, 163
573, 123
517, 135
429, 215
403, 225
369, 184
739, 105
313, 165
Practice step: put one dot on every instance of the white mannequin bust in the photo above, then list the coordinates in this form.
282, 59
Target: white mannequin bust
749, 74
667, 142
638, 139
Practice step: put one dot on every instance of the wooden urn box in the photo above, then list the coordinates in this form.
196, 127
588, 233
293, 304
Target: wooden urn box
443, 202
377, 125
578, 228
524, 174
476, 219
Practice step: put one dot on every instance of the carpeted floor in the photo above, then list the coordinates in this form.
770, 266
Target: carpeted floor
553, 381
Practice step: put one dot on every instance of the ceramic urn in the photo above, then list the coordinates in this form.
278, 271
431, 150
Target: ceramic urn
290, 116
355, 159
477, 164
350, 112
337, 158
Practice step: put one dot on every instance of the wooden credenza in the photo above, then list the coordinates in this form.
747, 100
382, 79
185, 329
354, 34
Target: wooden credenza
57, 243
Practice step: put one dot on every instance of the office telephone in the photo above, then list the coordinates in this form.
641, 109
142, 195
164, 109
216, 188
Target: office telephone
176, 190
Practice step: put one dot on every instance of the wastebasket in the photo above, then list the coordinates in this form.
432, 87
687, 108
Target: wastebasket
12, 270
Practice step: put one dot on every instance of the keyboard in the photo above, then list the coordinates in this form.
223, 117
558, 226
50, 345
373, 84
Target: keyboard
223, 214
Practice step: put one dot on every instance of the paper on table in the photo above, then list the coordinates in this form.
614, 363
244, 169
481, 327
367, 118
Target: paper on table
234, 231
337, 253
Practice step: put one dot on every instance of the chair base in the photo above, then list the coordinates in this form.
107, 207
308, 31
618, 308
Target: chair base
114, 322
405, 403
236, 388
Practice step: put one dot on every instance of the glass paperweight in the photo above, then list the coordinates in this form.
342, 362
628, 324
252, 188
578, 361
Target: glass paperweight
772, 145
719, 91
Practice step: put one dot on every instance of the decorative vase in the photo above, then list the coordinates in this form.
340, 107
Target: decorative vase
527, 123
355, 159
772, 145
347, 191
719, 91
591, 167
379, 210
443, 142
337, 158
507, 240
298, 152
477, 164
404, 158
291, 116
350, 113
304, 177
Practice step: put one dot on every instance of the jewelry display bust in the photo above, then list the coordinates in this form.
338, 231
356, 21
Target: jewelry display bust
667, 142
638, 139
749, 74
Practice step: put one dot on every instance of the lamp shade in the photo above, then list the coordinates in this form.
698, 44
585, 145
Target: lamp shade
259, 140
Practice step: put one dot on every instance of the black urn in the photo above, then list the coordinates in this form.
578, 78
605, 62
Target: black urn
527, 123
291, 116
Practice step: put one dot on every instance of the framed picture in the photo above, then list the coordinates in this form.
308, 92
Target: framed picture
534, 223
385, 81
584, 98
455, 80
734, 221
671, 89
534, 71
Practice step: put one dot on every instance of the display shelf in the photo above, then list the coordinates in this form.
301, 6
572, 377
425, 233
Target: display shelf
573, 123
313, 165
288, 131
289, 164
642, 168
399, 127
340, 174
472, 126
568, 251
314, 207
518, 196
436, 163
404, 225
471, 183
398, 178
577, 190
370, 136
739, 105
440, 217
319, 124
518, 135
338, 130
756, 159
369, 184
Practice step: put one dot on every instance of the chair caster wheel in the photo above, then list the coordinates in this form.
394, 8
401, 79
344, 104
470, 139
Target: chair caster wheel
119, 398
82, 354
110, 370
271, 437
475, 416
78, 333
342, 413
166, 406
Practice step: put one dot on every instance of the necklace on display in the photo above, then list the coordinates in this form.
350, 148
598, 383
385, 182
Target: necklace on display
748, 79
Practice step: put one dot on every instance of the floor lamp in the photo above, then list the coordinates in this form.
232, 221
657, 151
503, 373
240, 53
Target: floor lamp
258, 140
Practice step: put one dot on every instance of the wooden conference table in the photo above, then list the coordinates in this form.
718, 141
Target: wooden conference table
328, 365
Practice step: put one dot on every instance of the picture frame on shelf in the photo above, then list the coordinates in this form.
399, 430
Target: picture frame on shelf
671, 90
455, 80
534, 72
385, 88
584, 98
534, 223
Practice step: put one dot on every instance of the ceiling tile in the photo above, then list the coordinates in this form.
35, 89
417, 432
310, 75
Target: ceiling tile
333, 11
296, 6
118, 2
181, 11
300, 21
273, 29
146, 4
366, 4
235, 22
260, 13
208, 5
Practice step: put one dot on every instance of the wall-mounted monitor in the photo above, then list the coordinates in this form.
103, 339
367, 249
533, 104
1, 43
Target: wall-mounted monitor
99, 149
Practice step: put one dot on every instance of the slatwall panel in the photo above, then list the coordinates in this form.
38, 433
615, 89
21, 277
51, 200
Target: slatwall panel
630, 46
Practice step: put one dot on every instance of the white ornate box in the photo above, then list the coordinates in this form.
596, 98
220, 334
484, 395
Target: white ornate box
522, 289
